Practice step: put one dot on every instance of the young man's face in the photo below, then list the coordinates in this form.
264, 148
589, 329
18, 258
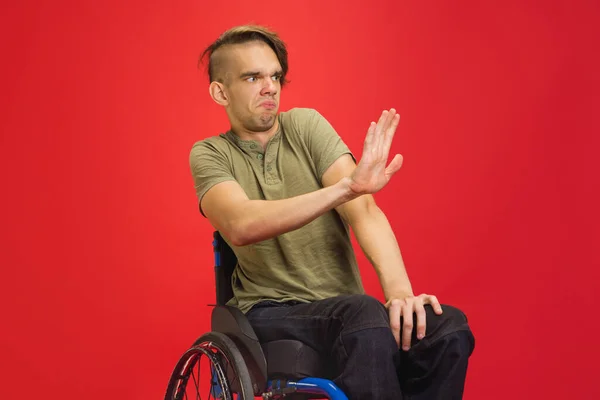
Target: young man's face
252, 86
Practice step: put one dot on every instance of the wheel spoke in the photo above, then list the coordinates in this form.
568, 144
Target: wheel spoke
226, 370
212, 382
196, 382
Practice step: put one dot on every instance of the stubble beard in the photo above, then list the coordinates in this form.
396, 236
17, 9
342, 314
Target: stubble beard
264, 123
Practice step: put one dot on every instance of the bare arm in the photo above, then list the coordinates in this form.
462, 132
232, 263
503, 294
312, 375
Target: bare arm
377, 240
373, 233
246, 221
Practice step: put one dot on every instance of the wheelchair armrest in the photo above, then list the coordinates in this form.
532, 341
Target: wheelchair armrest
233, 322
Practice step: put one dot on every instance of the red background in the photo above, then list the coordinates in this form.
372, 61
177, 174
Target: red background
107, 265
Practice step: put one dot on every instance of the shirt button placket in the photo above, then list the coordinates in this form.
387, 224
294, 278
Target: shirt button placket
270, 154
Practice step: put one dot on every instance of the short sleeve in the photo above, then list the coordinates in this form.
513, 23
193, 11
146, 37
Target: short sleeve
208, 166
323, 142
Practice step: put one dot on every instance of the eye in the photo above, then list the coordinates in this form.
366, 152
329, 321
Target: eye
276, 77
251, 79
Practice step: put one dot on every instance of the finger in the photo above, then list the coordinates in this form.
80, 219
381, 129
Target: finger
382, 121
370, 135
380, 129
391, 115
394, 166
421, 319
390, 133
435, 304
407, 313
394, 312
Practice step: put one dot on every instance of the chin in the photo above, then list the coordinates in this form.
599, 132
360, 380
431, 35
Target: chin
266, 121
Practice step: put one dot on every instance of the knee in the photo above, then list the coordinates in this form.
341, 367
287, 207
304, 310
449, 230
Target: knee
454, 324
454, 317
362, 312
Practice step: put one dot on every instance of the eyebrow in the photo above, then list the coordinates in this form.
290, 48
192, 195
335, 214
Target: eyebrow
249, 74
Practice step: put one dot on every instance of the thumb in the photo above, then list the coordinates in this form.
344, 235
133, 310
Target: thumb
394, 166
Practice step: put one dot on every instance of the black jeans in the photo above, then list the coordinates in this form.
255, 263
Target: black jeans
354, 332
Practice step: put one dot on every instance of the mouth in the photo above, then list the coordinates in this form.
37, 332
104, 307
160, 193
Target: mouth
269, 105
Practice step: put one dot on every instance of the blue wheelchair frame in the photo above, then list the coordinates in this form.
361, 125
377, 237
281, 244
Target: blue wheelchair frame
276, 387
316, 386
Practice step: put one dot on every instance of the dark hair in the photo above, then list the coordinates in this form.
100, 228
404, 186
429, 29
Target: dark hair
243, 34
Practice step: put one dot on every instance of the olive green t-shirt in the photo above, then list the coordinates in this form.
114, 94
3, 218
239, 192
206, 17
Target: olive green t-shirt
313, 262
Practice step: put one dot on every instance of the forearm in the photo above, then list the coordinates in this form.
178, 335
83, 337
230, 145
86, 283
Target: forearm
259, 220
377, 240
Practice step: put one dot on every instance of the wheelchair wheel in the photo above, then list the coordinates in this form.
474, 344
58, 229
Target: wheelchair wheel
213, 368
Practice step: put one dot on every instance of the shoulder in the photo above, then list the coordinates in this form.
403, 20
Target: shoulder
210, 150
303, 121
299, 116
213, 144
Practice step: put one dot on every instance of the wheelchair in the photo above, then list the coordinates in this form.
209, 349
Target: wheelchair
238, 366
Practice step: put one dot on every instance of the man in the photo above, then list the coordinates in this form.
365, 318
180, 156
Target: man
283, 189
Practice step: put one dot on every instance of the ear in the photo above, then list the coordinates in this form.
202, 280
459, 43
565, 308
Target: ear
217, 92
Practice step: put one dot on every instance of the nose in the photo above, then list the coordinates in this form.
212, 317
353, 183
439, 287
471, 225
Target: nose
269, 88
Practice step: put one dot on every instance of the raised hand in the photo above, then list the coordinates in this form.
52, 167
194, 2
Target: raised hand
371, 173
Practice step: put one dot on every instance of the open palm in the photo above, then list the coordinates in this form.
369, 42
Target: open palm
372, 174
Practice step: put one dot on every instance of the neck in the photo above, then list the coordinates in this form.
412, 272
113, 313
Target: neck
261, 137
